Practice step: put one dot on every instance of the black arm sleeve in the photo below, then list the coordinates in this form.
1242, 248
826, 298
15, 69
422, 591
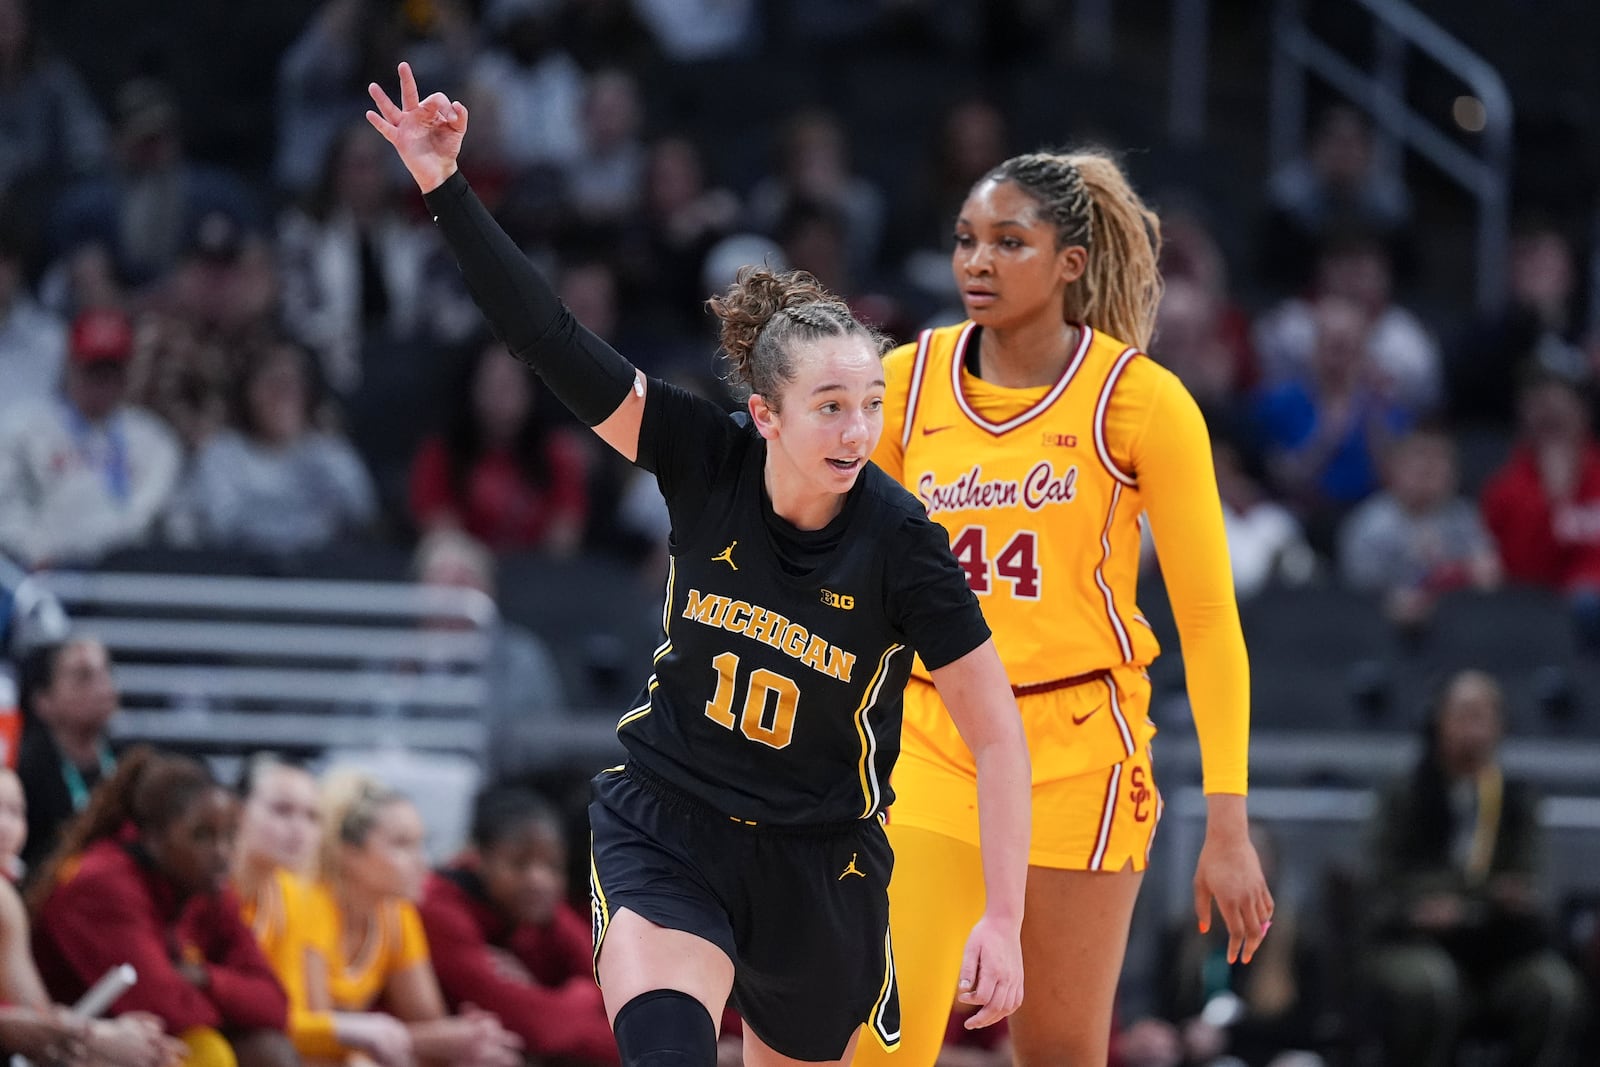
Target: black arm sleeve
928, 599
584, 372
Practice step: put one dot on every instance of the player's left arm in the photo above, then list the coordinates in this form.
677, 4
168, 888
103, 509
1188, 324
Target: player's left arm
1156, 428
975, 690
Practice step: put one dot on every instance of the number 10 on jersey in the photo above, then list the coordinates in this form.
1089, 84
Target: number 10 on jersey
775, 730
1017, 562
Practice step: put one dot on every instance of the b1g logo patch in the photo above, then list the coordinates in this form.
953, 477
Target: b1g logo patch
842, 601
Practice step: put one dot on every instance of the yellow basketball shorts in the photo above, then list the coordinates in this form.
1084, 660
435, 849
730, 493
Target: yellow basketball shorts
1099, 818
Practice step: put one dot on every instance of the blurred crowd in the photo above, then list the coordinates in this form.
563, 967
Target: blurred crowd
197, 355
292, 917
274, 361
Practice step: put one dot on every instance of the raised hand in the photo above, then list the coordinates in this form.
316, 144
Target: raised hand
991, 973
425, 133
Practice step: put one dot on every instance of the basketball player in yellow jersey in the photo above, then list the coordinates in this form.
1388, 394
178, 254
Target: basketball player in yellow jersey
1037, 433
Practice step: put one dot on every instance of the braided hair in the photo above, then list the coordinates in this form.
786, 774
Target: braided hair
1088, 199
765, 313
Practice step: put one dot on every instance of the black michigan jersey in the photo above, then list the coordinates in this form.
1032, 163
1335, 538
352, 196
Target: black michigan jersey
777, 685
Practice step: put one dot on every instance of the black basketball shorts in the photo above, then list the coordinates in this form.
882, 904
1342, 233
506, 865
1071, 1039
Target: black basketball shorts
803, 913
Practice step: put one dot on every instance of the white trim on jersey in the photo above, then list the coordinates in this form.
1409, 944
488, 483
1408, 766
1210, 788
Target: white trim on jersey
871, 789
958, 358
1100, 578
1100, 418
918, 366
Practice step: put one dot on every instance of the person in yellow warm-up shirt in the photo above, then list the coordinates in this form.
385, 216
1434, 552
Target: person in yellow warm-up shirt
1038, 433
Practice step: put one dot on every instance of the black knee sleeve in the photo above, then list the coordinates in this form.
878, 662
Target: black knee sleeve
665, 1028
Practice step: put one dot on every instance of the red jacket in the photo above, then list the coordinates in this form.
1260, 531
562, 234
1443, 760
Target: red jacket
1557, 546
498, 505
560, 1013
115, 908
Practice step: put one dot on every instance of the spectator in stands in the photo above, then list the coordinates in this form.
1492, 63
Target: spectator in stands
812, 235
693, 30
814, 165
1326, 429
1461, 937
1265, 542
1543, 505
225, 283
1403, 355
279, 836
601, 33
88, 473
607, 177
504, 470
50, 128
33, 341
131, 1040
366, 942
1540, 326
522, 680
141, 878
530, 87
1417, 538
503, 938
68, 698
277, 483
52, 1036
147, 209
1210, 1013
183, 378
354, 266
664, 246
1195, 345
1192, 257
1337, 184
84, 279
972, 140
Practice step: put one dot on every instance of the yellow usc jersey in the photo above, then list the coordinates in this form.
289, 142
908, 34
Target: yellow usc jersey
1045, 523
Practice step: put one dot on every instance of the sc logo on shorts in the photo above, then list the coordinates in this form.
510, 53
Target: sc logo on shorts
1140, 795
841, 601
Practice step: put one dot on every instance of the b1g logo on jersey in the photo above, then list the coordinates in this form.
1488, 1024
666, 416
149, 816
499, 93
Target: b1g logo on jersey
842, 601
1042, 485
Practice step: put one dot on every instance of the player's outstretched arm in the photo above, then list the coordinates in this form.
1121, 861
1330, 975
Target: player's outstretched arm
588, 375
978, 695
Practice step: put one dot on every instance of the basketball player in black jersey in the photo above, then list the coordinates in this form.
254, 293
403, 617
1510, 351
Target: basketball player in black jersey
741, 851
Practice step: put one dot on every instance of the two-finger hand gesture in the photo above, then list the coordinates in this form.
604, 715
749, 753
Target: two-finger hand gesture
425, 133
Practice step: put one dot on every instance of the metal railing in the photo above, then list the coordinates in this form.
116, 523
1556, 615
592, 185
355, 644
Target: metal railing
249, 662
1399, 29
